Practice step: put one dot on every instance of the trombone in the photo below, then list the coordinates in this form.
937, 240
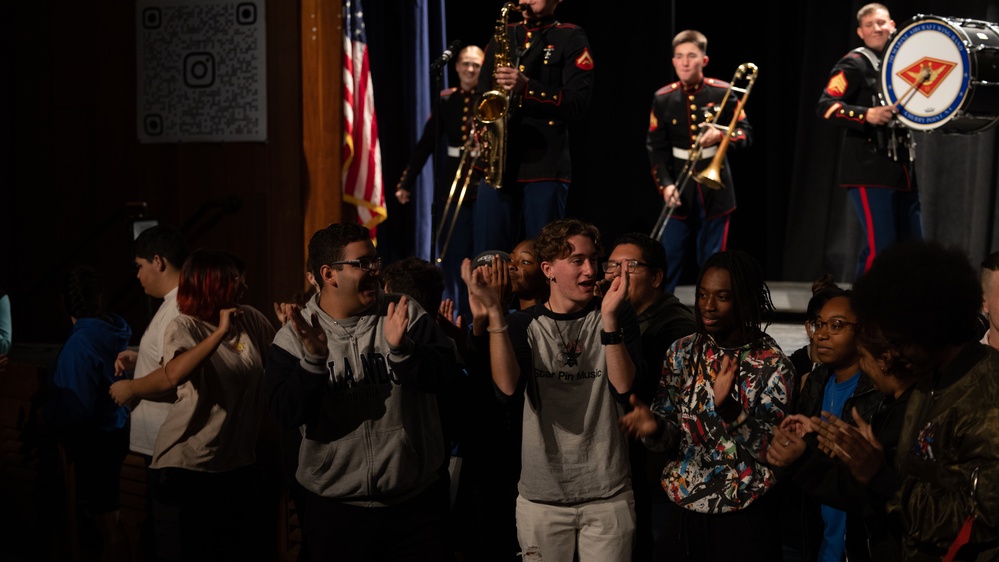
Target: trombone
711, 176
466, 166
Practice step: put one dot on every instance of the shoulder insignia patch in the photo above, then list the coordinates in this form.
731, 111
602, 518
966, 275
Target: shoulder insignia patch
653, 122
585, 61
837, 85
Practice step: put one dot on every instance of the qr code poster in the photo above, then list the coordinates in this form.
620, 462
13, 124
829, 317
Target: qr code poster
202, 71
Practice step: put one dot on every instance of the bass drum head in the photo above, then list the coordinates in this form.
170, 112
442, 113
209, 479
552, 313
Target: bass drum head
933, 43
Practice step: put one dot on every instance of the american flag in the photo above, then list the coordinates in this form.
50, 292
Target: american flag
362, 155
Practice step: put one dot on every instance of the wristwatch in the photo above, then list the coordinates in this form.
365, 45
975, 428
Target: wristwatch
611, 338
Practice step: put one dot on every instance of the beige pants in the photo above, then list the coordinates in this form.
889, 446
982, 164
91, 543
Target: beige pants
603, 529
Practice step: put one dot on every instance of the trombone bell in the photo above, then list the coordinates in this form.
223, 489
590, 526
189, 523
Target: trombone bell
710, 177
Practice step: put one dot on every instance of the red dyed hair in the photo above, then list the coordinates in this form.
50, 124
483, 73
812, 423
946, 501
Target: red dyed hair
209, 281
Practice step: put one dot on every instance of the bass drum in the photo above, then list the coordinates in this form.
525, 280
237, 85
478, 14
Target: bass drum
960, 60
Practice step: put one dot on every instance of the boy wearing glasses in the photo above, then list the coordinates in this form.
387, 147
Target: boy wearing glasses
662, 319
356, 371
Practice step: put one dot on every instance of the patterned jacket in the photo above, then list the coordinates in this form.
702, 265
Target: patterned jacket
719, 466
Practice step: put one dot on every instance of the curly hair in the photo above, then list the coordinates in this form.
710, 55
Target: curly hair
553, 242
418, 278
920, 293
751, 296
327, 245
209, 281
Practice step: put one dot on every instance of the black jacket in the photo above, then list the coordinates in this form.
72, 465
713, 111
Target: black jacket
556, 59
864, 162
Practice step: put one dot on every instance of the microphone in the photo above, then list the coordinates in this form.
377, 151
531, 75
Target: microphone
445, 57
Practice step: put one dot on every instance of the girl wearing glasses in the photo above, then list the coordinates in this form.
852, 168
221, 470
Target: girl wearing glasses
836, 385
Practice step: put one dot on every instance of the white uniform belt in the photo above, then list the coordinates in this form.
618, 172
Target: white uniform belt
685, 154
454, 151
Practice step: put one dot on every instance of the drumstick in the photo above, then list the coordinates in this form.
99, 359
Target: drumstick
924, 75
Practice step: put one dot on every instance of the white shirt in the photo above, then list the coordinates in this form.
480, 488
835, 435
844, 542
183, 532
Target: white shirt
148, 416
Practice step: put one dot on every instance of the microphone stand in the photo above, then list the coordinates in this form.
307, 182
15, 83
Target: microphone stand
437, 106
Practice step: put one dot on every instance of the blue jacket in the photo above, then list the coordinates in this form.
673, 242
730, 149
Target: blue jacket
84, 372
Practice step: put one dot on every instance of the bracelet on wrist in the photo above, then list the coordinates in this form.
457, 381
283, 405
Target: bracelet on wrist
498, 330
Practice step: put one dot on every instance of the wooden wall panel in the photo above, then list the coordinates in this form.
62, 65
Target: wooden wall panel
71, 164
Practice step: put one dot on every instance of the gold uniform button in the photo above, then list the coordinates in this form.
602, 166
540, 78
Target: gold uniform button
551, 123
693, 107
527, 45
464, 137
531, 92
464, 109
691, 98
464, 128
528, 34
674, 121
522, 68
851, 113
693, 127
542, 94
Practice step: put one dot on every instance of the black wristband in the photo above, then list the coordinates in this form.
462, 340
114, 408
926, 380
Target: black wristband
611, 338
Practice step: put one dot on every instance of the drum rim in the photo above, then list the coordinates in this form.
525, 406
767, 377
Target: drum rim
887, 66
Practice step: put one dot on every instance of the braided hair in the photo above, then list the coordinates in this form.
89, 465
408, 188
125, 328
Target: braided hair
753, 307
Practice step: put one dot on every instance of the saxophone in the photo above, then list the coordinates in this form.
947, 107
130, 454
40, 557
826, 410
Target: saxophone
493, 109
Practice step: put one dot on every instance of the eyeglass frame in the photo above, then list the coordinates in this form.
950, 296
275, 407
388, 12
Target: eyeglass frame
632, 265
814, 325
373, 263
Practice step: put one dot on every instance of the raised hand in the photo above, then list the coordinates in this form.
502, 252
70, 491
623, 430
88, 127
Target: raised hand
614, 298
724, 380
640, 421
313, 335
396, 322
481, 294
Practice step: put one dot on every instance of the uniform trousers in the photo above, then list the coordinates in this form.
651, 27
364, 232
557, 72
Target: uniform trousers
886, 216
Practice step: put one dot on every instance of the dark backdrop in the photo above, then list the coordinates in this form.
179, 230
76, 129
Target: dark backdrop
70, 163
790, 214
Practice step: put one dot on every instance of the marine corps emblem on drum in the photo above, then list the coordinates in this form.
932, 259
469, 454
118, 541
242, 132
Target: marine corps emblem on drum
943, 74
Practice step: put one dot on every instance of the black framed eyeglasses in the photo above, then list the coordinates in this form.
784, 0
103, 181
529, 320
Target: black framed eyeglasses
631, 265
834, 326
365, 264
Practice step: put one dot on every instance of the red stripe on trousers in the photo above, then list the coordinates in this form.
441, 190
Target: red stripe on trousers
872, 249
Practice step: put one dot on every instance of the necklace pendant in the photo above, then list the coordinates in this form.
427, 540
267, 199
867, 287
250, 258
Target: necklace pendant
572, 353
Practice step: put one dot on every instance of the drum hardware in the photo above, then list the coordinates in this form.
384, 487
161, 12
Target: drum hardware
963, 57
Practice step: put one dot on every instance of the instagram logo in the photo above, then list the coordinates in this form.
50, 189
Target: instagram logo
199, 70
